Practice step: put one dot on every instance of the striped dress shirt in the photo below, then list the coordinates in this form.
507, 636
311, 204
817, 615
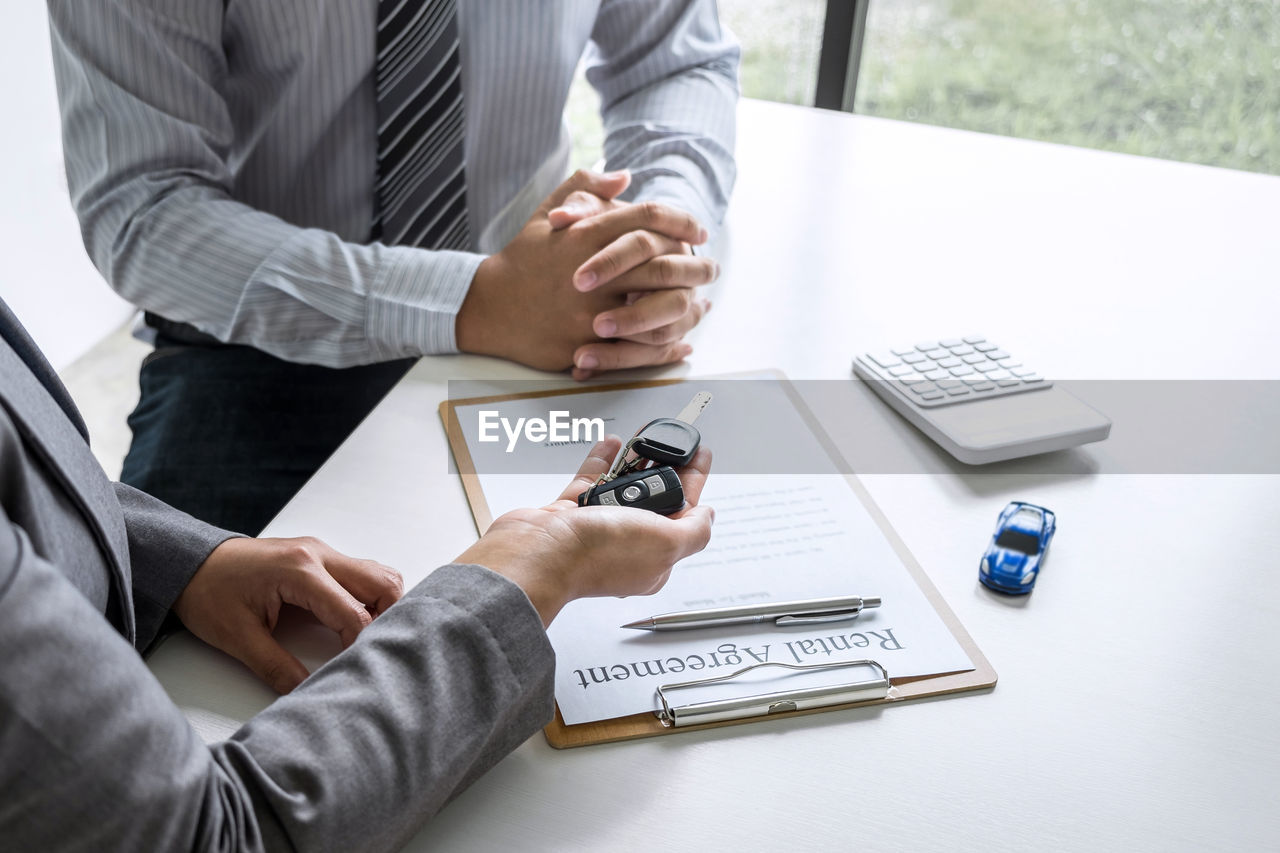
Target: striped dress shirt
221, 154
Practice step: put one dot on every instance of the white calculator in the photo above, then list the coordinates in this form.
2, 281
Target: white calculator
977, 401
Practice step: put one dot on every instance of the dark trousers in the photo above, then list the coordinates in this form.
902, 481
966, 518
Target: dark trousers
229, 434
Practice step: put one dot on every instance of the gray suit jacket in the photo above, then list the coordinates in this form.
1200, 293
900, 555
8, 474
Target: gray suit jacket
95, 756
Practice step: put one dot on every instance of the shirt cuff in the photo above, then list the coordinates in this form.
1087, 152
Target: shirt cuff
414, 303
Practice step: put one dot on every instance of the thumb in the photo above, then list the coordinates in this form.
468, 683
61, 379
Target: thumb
267, 659
606, 185
694, 529
577, 206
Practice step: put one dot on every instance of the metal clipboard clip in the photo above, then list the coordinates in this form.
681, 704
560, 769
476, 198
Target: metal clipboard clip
764, 704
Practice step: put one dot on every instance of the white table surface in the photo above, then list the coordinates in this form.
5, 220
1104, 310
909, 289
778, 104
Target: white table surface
1137, 701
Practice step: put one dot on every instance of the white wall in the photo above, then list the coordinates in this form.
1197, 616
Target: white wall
45, 275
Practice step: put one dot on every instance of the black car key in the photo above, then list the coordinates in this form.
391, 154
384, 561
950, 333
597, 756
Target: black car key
657, 489
671, 441
664, 442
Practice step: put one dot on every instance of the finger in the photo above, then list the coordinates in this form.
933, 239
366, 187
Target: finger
599, 460
694, 475
579, 205
607, 185
316, 590
375, 585
674, 331
667, 271
649, 313
254, 646
644, 216
691, 530
624, 254
619, 355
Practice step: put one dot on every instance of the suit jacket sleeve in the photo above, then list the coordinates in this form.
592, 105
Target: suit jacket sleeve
95, 756
166, 546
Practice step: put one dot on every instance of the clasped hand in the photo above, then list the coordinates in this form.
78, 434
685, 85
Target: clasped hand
555, 554
591, 283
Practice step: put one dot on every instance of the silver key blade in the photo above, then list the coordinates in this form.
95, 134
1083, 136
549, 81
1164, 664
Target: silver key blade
690, 413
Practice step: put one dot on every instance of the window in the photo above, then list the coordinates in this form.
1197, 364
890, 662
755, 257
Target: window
781, 41
1016, 540
1191, 80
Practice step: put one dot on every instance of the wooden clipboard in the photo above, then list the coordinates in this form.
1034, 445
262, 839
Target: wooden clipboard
647, 724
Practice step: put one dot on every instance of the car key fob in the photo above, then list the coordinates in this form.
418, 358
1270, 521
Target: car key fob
660, 444
667, 441
657, 489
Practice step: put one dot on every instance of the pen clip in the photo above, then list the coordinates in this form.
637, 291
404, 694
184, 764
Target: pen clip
818, 618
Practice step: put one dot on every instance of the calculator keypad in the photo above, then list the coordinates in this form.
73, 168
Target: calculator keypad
951, 370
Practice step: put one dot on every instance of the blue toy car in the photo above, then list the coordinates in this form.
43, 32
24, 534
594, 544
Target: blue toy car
1013, 559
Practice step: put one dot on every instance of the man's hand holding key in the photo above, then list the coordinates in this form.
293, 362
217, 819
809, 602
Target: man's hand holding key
562, 551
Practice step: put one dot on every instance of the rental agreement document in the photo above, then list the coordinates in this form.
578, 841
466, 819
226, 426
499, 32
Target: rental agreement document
787, 527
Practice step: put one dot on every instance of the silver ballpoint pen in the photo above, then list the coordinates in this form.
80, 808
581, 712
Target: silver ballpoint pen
809, 612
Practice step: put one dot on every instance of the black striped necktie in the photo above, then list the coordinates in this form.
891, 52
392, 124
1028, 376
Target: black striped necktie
422, 187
